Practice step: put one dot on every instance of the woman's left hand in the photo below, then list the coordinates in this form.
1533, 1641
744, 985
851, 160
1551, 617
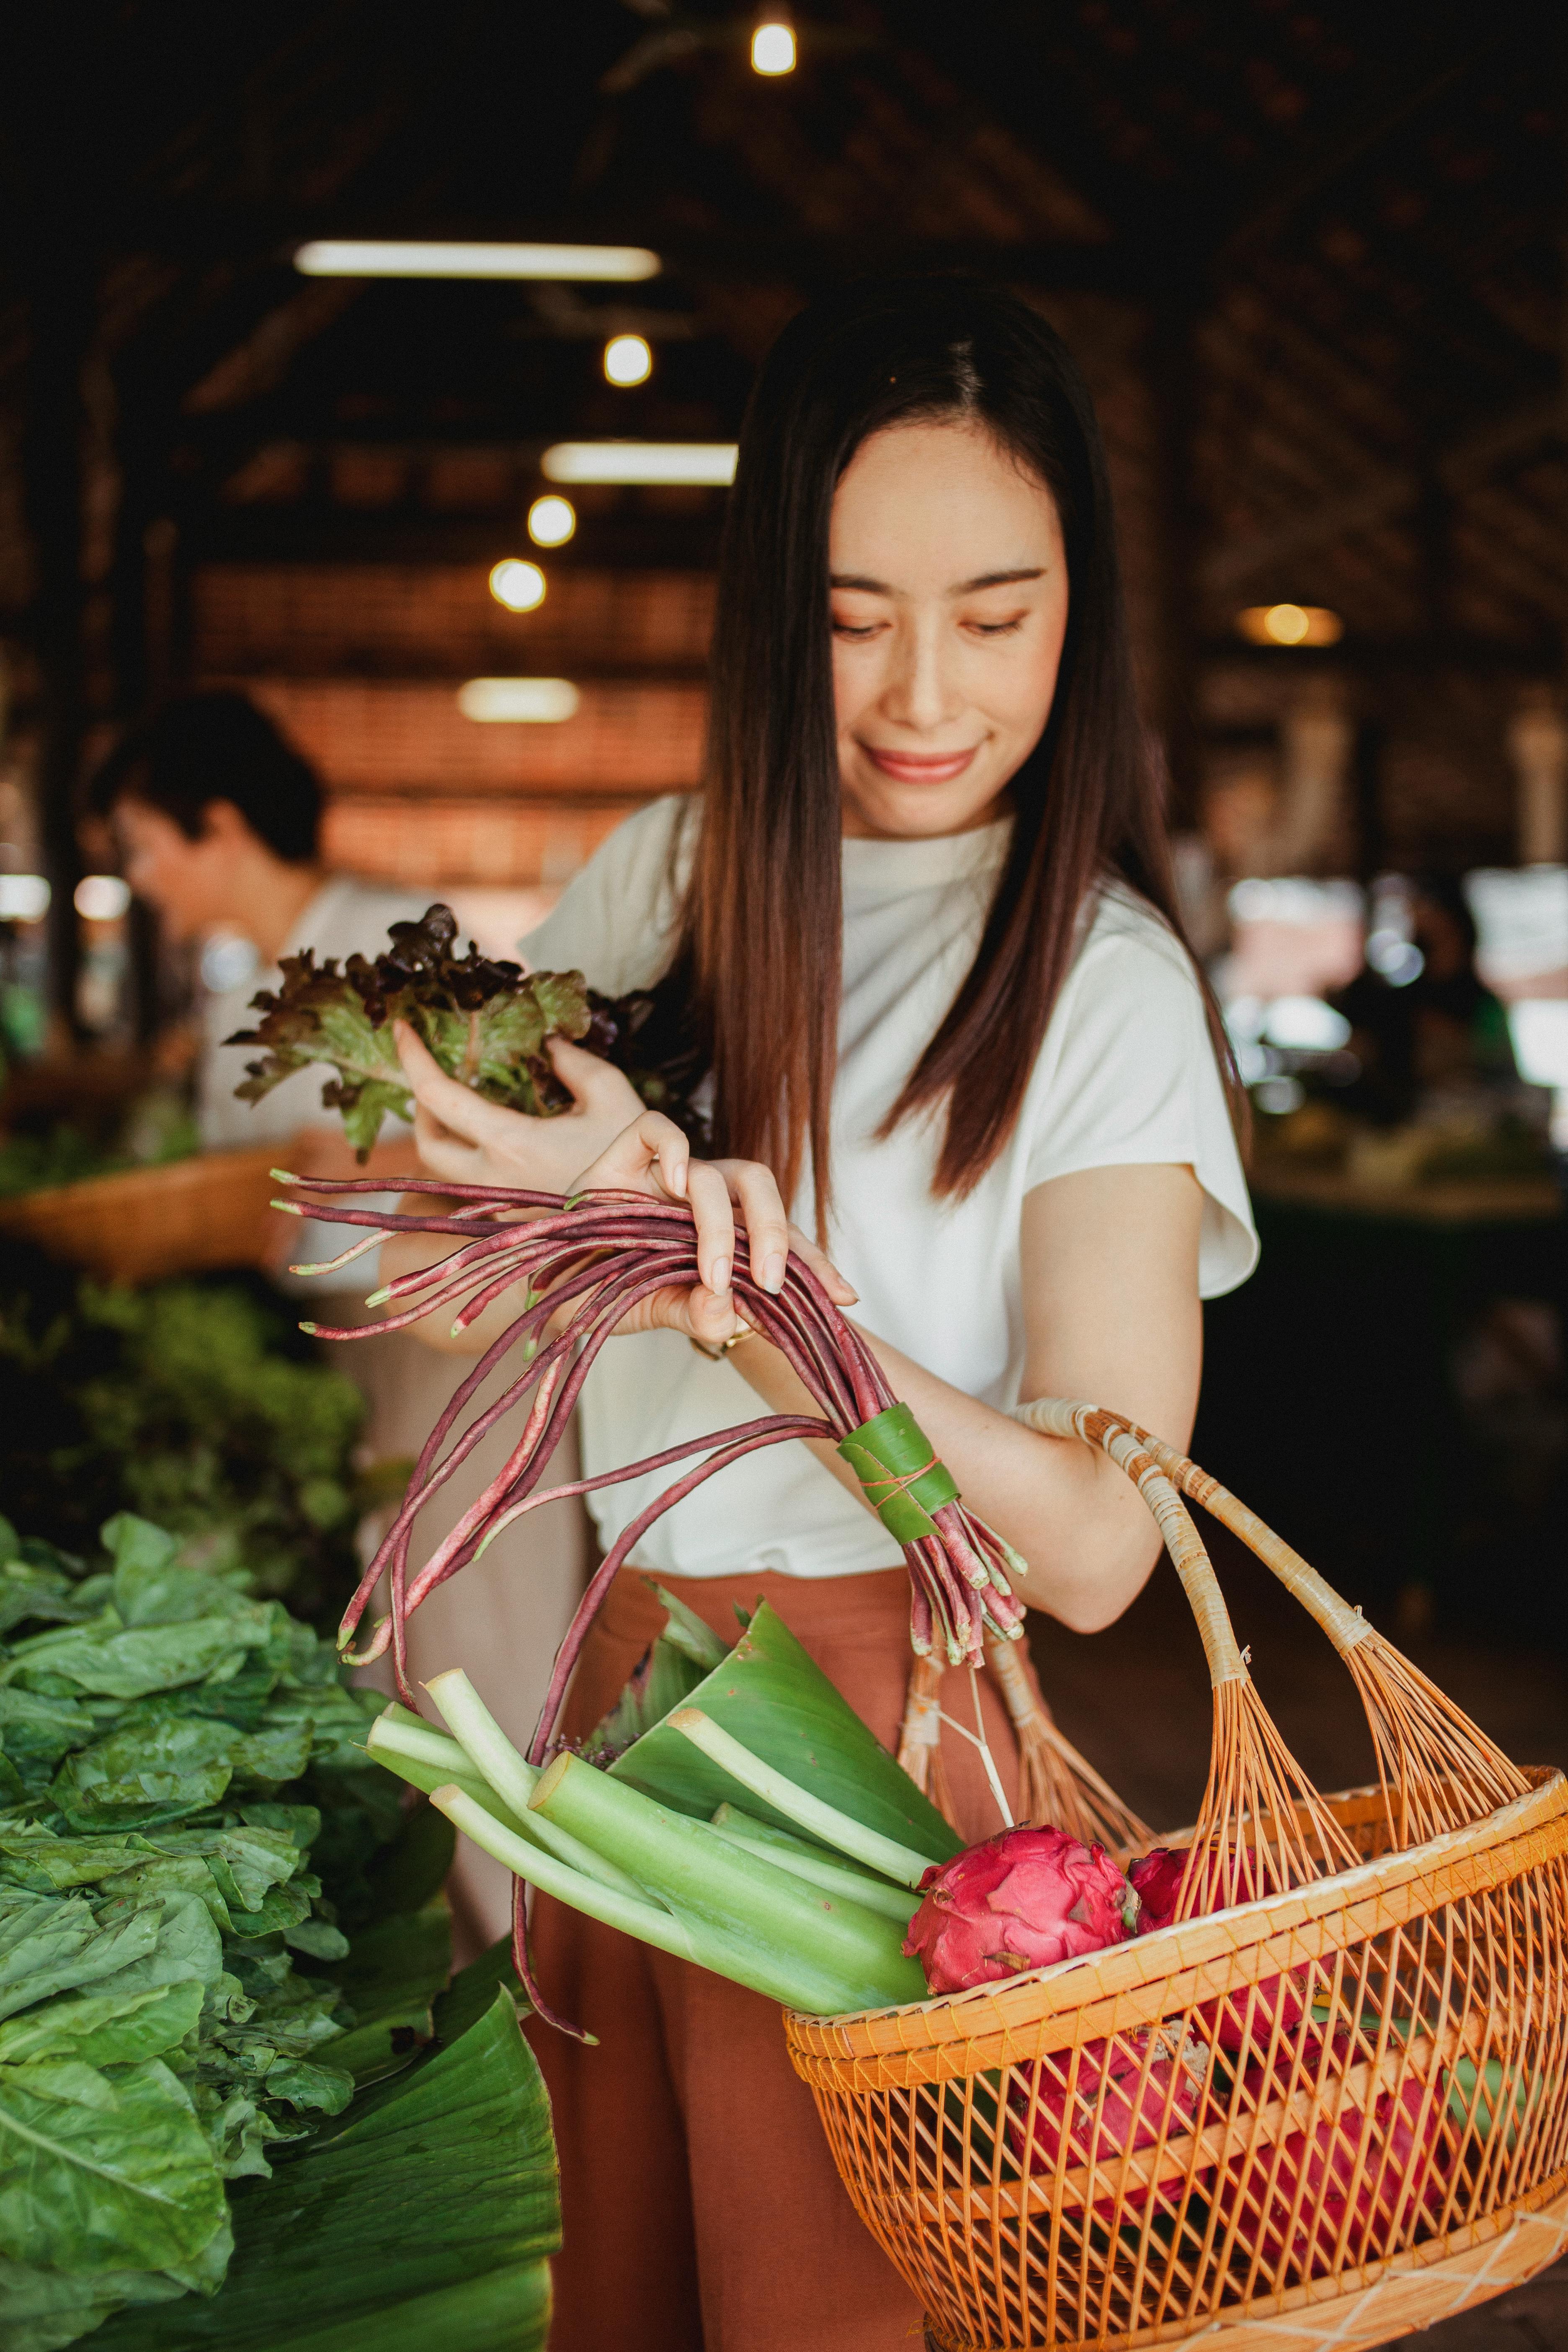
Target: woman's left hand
653, 1156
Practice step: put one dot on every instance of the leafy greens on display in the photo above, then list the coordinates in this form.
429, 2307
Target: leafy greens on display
215, 1924
196, 1404
486, 1022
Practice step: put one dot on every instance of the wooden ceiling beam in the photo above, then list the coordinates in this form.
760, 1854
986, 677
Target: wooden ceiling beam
1384, 496
309, 533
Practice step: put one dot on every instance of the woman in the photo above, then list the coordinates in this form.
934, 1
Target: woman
921, 923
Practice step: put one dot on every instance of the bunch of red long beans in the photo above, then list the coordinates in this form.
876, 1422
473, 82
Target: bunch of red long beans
599, 1254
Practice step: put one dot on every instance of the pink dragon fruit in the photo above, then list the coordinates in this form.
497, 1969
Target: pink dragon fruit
1156, 1878
1139, 2107
1017, 1901
1401, 2156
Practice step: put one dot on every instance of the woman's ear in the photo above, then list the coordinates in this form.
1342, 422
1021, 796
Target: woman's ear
224, 828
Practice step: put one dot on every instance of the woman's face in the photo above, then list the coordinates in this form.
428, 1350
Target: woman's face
950, 604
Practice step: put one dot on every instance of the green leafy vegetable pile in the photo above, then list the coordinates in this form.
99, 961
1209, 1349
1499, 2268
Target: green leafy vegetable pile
177, 1760
485, 1021
196, 1404
422, 2217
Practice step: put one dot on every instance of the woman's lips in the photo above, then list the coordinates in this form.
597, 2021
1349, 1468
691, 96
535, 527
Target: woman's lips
920, 768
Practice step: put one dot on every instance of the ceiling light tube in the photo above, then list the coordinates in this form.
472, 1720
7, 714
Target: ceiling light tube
519, 701
710, 464
336, 257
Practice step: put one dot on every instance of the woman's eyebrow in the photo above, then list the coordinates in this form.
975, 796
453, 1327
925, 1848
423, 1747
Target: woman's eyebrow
964, 588
997, 580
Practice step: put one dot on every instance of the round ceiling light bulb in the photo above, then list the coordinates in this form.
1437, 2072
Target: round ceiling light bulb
773, 47
1290, 624
1287, 624
518, 586
552, 522
101, 898
628, 359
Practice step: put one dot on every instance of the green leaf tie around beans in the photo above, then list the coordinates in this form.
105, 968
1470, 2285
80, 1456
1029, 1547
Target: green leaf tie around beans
900, 1472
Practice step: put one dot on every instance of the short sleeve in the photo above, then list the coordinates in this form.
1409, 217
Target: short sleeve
1127, 1077
614, 920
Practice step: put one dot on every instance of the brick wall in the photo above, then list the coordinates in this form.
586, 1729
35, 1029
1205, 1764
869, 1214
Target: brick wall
360, 664
626, 739
443, 841
310, 620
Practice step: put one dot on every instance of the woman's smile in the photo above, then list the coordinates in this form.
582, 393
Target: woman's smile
919, 767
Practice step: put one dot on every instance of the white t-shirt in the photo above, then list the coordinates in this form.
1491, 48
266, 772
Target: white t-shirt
1125, 1077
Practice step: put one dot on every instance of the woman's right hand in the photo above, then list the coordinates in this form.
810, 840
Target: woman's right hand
467, 1140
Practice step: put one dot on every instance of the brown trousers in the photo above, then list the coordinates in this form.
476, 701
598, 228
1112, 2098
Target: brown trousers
702, 2210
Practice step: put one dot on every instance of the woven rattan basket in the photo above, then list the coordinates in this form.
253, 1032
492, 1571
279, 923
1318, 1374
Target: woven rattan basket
1322, 2116
191, 1217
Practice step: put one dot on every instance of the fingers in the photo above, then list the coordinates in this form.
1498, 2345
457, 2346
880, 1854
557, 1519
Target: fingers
767, 1227
457, 1106
651, 1155
442, 1153
842, 1293
592, 1083
772, 1238
708, 1194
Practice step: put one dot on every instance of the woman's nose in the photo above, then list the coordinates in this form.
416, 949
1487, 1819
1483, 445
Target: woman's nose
920, 692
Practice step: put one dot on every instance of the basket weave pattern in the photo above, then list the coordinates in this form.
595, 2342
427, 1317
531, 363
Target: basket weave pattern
1321, 2114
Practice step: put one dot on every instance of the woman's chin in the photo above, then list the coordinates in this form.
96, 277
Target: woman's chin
878, 808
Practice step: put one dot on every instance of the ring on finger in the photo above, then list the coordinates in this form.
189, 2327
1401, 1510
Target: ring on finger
716, 1352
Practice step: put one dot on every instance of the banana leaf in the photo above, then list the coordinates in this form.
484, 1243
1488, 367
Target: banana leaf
679, 1661
424, 2215
774, 1698
391, 1978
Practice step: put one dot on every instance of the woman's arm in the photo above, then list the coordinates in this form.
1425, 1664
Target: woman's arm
1112, 1315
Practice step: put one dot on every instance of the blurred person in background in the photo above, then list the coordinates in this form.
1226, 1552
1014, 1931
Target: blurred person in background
219, 821
1433, 1027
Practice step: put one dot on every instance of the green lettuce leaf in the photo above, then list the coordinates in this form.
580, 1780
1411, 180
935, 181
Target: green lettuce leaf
486, 1022
83, 2188
41, 2310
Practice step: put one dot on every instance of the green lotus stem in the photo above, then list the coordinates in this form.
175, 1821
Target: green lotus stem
486, 1744
634, 1915
750, 1963
431, 1777
820, 1821
397, 1732
487, 1750
817, 1868
406, 1746
819, 1952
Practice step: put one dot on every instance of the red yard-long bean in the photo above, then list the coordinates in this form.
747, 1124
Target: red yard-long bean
596, 1257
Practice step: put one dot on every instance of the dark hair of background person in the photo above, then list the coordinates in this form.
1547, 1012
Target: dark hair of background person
209, 747
759, 949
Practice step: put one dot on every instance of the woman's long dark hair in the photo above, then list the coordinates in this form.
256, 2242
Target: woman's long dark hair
759, 951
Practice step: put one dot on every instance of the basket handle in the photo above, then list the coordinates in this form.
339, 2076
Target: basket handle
1132, 1454
1344, 1626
